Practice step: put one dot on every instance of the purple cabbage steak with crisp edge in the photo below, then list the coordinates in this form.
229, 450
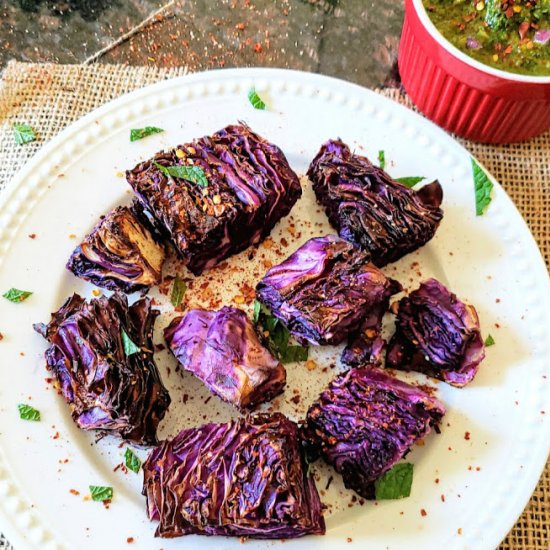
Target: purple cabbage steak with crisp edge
437, 334
365, 422
101, 356
244, 187
222, 349
246, 478
119, 254
324, 290
369, 208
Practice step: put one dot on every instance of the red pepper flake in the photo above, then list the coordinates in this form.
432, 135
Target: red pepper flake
467, 436
349, 539
240, 26
442, 498
258, 47
32, 236
478, 468
56, 435
129, 540
523, 29
437, 480
117, 467
423, 513
1, 336
74, 492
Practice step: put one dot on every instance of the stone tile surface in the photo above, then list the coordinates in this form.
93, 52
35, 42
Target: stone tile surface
352, 39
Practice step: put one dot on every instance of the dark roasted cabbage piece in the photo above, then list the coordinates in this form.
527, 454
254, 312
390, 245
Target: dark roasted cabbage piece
369, 208
107, 389
222, 349
324, 290
250, 188
365, 422
119, 254
437, 334
243, 478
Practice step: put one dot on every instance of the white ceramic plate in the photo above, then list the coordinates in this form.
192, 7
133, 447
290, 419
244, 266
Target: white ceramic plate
472, 489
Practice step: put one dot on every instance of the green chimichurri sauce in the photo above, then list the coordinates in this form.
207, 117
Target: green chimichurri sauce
511, 35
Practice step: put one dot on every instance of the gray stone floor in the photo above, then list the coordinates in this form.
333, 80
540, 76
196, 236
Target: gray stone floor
352, 39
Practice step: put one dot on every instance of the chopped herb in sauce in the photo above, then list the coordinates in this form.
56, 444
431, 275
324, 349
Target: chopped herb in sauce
511, 35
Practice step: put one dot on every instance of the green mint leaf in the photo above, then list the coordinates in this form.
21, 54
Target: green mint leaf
26, 412
489, 341
129, 347
23, 133
256, 312
483, 187
14, 295
295, 353
382, 159
99, 493
140, 133
410, 181
395, 483
194, 174
256, 100
179, 289
278, 337
132, 461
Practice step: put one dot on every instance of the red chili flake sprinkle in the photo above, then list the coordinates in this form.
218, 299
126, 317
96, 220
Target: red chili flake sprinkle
56, 436
74, 492
437, 480
478, 468
442, 498
349, 539
117, 467
32, 236
467, 436
258, 47
240, 26
1, 336
423, 513
129, 540
497, 325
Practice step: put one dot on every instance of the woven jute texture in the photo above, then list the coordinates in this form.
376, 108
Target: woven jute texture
49, 97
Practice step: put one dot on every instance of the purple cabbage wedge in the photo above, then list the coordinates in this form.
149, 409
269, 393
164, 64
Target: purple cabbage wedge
101, 357
365, 422
222, 349
243, 185
436, 334
369, 208
324, 290
119, 254
243, 478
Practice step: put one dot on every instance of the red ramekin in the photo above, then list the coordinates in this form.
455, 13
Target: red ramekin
465, 96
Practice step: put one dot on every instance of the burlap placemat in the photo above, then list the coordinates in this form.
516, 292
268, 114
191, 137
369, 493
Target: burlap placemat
49, 97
